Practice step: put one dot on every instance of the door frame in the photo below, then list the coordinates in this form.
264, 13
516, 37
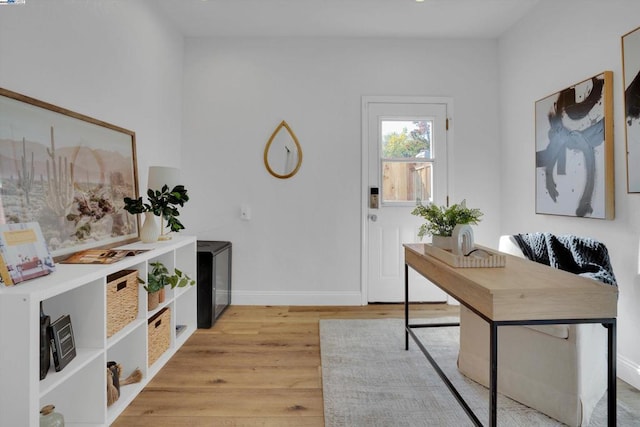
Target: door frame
364, 196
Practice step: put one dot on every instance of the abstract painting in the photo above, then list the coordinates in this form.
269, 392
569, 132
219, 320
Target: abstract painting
66, 171
574, 150
631, 75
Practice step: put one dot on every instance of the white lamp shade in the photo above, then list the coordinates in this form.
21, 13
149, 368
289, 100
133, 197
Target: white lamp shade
163, 175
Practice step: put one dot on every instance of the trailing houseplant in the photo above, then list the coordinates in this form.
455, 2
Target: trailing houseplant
441, 220
159, 277
163, 203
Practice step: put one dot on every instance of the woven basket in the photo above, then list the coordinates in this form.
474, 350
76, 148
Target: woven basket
159, 334
122, 300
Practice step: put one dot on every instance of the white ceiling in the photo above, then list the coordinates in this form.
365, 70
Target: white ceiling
344, 18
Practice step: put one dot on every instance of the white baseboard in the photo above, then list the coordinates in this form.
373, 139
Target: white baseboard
295, 298
628, 371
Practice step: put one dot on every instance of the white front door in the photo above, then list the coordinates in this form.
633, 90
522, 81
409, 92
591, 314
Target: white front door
404, 143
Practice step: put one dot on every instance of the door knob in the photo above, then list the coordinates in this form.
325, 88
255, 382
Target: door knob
373, 217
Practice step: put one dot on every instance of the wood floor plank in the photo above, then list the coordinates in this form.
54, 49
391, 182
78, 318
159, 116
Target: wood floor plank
176, 402
216, 421
252, 357
286, 377
265, 339
257, 366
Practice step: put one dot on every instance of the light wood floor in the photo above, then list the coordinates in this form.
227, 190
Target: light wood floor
258, 366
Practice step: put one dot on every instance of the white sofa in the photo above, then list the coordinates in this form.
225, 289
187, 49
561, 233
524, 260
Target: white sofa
560, 370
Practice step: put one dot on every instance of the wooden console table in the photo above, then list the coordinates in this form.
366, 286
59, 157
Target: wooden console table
521, 293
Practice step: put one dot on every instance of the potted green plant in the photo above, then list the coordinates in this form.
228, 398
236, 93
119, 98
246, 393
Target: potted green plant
163, 203
441, 220
159, 277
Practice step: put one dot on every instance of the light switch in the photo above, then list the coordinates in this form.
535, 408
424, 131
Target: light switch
245, 212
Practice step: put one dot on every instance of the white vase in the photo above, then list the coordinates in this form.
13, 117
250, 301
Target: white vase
150, 231
442, 242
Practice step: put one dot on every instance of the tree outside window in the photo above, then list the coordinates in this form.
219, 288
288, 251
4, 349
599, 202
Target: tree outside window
406, 181
403, 139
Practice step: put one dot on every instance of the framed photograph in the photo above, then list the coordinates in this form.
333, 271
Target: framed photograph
574, 150
63, 344
67, 172
23, 253
631, 76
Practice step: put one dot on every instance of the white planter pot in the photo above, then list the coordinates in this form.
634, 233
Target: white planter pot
442, 242
150, 231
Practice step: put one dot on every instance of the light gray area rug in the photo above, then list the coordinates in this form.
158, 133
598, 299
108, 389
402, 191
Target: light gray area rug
370, 380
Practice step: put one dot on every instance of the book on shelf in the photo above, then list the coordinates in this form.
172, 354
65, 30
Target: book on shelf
45, 344
24, 254
101, 256
63, 345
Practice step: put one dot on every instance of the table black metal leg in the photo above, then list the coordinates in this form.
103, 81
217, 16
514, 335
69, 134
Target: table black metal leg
611, 374
493, 374
444, 378
406, 307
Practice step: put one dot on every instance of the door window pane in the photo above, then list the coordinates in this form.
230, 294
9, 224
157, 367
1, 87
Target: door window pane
406, 138
406, 181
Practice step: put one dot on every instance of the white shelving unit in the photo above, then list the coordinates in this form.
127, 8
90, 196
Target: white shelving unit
79, 391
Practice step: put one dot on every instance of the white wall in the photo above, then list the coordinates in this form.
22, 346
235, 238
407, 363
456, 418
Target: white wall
118, 61
302, 244
556, 45
114, 60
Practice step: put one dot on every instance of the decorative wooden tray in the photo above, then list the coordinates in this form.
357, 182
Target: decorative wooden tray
479, 257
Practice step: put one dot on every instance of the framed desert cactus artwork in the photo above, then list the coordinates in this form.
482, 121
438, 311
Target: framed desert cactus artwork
574, 150
68, 172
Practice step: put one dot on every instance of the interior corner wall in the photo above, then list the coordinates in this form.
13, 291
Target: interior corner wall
117, 61
302, 242
555, 46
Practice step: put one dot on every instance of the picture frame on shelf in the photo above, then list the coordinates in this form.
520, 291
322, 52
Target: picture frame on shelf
23, 253
68, 172
631, 83
574, 150
63, 344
